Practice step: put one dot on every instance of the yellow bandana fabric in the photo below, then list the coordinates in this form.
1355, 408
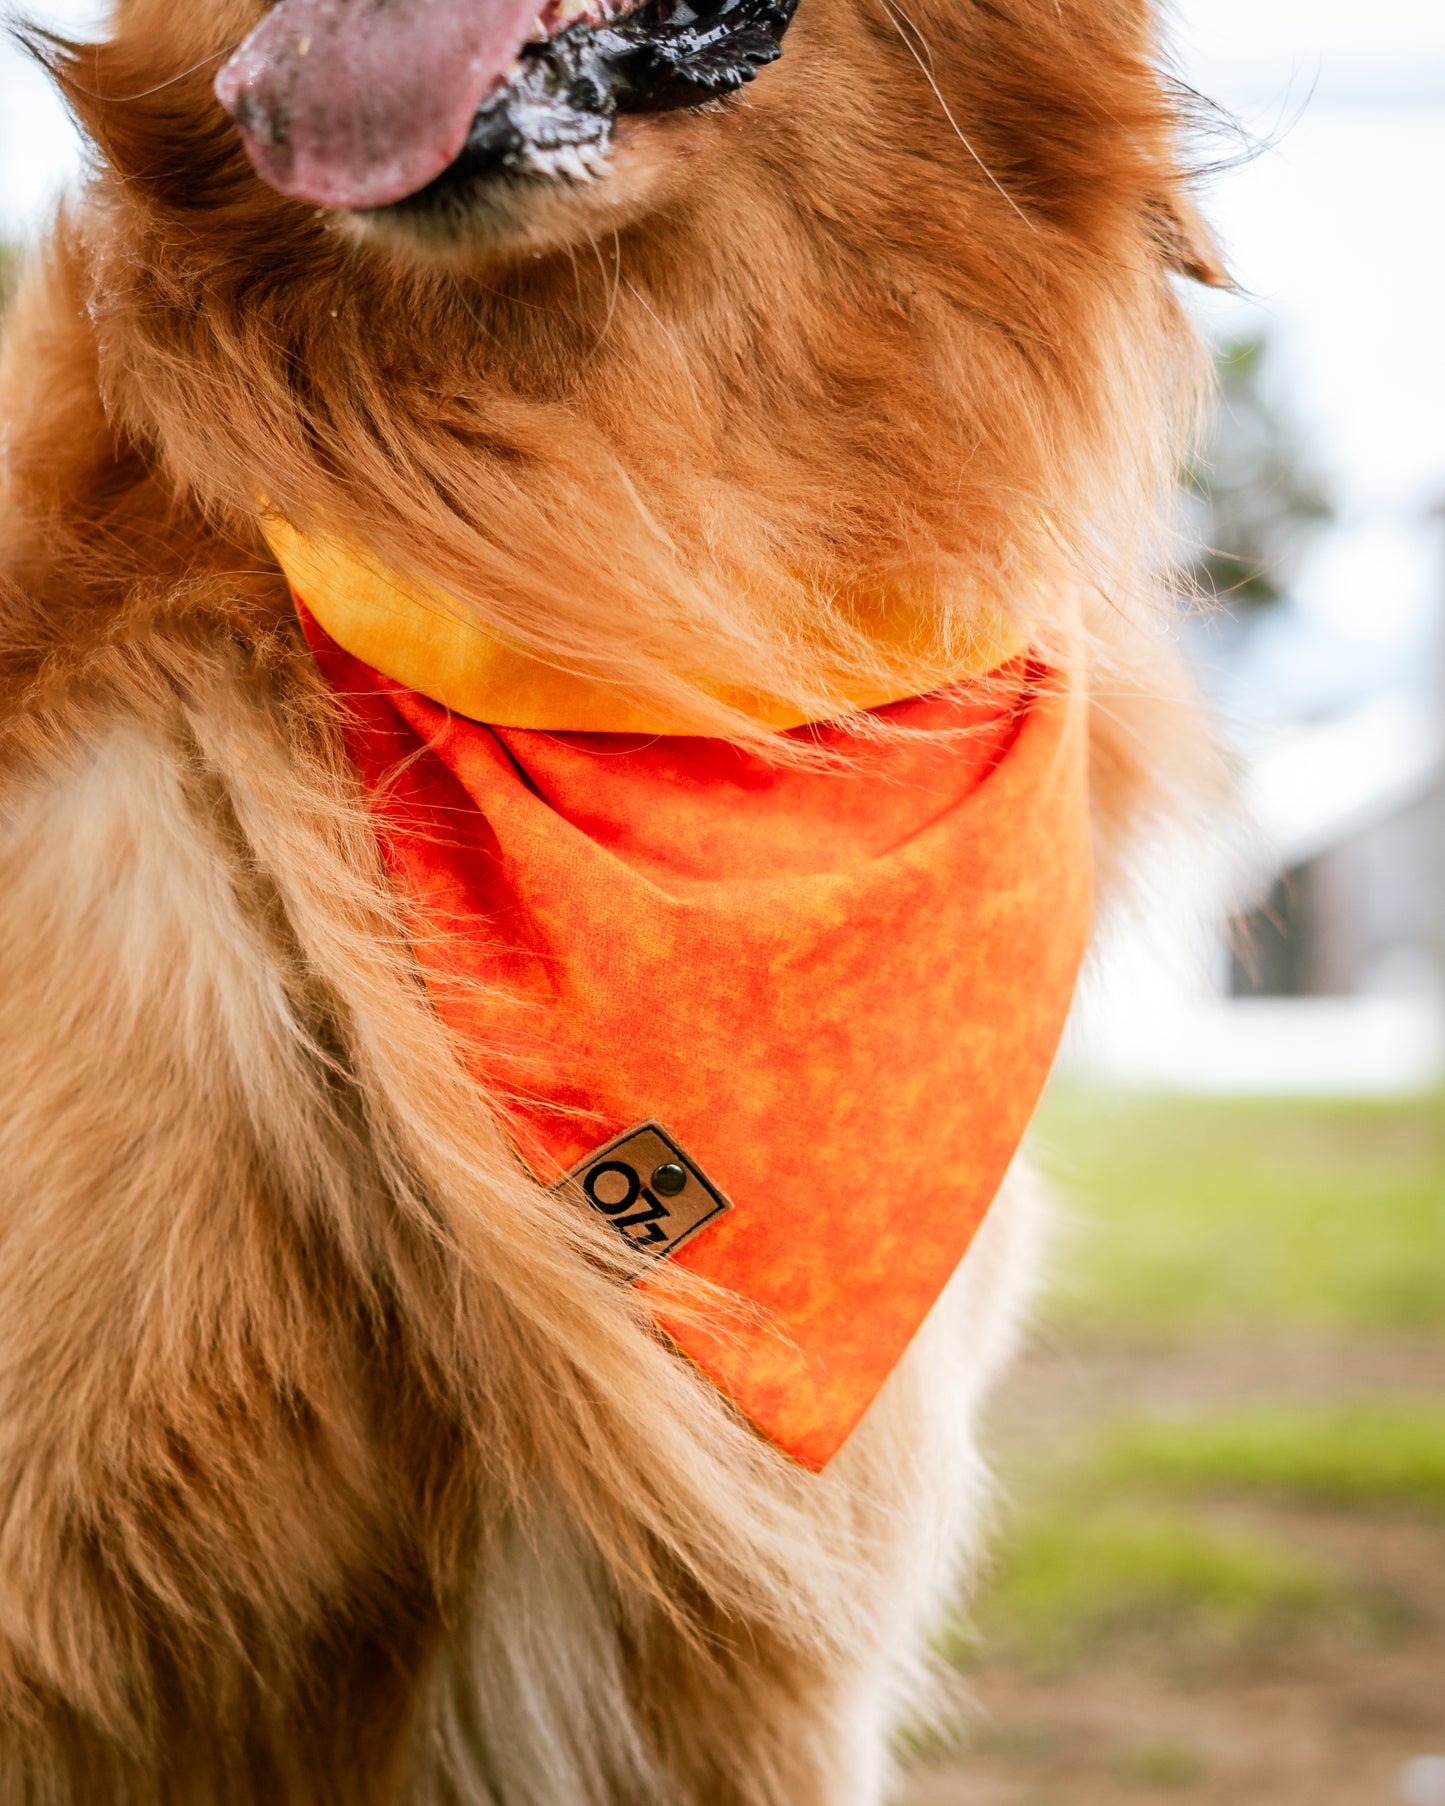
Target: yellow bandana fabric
422, 639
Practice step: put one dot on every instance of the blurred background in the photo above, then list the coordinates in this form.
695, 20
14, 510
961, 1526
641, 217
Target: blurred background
1220, 1573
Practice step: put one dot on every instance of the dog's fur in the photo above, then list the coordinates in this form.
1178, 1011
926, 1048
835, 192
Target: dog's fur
336, 1463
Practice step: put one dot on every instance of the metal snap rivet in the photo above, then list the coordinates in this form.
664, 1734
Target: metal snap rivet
667, 1181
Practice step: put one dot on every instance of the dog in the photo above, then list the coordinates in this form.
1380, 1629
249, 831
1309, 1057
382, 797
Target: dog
346, 1457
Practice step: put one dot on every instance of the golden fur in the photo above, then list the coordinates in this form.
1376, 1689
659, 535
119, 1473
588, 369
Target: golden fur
336, 1465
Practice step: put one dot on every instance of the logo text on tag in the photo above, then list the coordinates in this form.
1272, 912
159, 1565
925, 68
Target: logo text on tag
652, 1192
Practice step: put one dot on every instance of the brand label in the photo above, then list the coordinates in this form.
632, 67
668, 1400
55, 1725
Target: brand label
652, 1192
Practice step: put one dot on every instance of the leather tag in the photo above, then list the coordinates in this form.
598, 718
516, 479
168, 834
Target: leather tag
654, 1194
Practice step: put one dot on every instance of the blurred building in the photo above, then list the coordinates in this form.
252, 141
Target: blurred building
1331, 974
1343, 958
1352, 806
1346, 779
1356, 809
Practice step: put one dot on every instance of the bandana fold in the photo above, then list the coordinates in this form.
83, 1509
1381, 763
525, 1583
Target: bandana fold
838, 992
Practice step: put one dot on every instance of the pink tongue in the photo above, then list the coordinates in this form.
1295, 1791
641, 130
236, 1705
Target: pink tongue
359, 103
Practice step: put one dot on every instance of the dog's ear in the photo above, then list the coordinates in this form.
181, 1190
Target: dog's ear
1186, 242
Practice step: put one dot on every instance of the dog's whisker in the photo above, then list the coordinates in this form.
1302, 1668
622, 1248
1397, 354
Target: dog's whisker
683, 363
898, 17
613, 281
35, 40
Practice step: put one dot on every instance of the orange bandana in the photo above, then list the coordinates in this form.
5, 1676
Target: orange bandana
814, 1011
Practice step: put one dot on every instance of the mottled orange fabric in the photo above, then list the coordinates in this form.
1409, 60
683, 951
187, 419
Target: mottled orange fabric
840, 990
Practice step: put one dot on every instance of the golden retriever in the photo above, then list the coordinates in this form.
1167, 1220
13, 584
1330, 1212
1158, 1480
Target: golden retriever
325, 1477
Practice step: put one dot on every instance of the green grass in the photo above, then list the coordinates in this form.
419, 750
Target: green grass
1353, 1456
1075, 1580
1192, 1218
1160, 1764
1210, 1227
1098, 1554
